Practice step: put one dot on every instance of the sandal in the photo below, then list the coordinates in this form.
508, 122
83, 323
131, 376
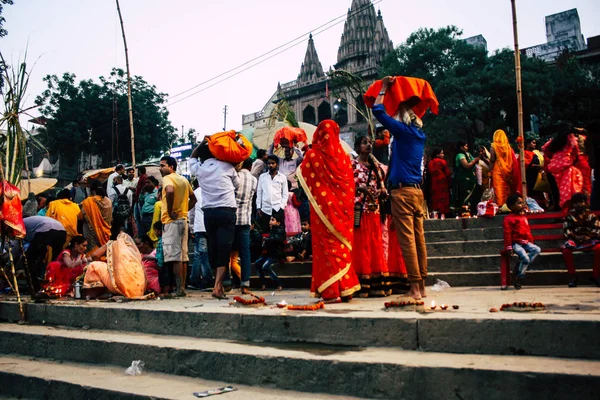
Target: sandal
245, 290
219, 296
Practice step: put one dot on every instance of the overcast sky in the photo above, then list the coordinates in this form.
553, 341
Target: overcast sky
178, 44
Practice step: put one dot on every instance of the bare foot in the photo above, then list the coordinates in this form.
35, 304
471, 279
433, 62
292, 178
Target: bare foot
245, 290
279, 288
263, 288
422, 288
414, 291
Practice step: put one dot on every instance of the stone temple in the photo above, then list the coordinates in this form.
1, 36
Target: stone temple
363, 46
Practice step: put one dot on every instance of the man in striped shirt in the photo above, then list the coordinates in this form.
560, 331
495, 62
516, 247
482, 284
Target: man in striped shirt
241, 244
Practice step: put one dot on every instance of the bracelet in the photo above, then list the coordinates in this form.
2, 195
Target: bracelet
381, 93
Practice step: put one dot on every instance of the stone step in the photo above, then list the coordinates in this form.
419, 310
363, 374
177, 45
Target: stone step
24, 377
479, 247
476, 234
360, 323
365, 372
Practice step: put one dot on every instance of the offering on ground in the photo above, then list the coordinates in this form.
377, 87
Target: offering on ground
523, 307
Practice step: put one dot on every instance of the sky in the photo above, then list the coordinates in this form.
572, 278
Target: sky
178, 45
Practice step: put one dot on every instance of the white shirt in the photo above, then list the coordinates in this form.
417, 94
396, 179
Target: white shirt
218, 180
198, 213
272, 193
111, 181
131, 183
112, 193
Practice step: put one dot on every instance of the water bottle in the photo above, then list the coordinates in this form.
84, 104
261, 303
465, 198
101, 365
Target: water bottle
78, 286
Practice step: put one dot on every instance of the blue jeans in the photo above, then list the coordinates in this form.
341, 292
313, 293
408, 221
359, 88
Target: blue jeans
527, 253
201, 271
241, 242
264, 264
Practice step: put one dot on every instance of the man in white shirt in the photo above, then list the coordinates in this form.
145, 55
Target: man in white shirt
130, 181
288, 165
119, 170
271, 194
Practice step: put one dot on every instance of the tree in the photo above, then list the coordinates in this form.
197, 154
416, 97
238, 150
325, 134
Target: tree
92, 118
477, 92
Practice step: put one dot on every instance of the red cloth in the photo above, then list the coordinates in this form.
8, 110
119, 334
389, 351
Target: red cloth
402, 89
561, 165
516, 230
367, 257
327, 175
439, 175
568, 257
528, 157
396, 265
59, 276
586, 172
516, 184
11, 212
291, 134
151, 270
140, 186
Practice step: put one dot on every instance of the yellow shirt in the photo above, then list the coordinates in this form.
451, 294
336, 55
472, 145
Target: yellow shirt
183, 191
66, 212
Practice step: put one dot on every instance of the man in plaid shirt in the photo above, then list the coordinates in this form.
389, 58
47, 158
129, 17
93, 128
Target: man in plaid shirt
241, 242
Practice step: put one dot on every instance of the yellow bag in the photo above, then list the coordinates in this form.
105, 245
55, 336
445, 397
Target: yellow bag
541, 183
229, 146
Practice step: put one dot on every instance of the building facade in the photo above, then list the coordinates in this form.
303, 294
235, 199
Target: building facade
363, 46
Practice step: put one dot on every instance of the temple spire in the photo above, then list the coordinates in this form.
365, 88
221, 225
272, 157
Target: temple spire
311, 68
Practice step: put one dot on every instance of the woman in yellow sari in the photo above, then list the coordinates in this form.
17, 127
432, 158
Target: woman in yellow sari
96, 212
503, 166
66, 212
121, 274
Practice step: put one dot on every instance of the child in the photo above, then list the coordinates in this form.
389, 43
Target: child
582, 230
301, 244
292, 216
518, 238
273, 244
164, 276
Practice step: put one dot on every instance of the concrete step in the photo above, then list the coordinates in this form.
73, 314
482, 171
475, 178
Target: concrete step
357, 324
32, 378
534, 278
495, 232
478, 247
365, 372
491, 262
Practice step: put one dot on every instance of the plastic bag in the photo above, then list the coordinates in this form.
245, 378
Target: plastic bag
488, 194
440, 285
533, 205
135, 368
487, 209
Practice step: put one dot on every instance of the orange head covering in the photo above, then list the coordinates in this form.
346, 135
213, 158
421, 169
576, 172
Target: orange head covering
504, 153
293, 135
403, 89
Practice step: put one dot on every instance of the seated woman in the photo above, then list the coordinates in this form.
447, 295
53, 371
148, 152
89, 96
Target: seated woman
146, 247
62, 273
121, 274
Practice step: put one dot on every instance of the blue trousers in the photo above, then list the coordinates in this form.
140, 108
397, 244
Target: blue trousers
527, 253
265, 265
201, 271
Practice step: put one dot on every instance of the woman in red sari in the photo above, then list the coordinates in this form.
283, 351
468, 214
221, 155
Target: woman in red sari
563, 153
439, 177
326, 177
61, 274
368, 259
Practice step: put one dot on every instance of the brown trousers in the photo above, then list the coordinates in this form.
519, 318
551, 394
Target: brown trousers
408, 216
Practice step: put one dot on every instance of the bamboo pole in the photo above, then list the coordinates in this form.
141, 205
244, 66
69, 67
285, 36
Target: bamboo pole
521, 140
128, 90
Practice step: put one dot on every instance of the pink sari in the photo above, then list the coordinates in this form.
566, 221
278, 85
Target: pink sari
568, 177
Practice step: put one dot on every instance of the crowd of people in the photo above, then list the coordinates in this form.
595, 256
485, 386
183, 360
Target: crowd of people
358, 217
553, 173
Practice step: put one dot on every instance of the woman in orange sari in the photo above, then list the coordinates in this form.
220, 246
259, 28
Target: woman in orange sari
96, 212
506, 175
439, 177
121, 274
327, 178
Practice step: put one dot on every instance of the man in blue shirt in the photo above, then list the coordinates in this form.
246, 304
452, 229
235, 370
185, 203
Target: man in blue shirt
405, 179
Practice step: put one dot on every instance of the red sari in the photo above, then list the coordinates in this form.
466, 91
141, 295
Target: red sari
568, 177
439, 175
326, 177
59, 278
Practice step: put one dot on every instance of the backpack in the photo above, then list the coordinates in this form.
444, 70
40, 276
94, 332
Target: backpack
122, 208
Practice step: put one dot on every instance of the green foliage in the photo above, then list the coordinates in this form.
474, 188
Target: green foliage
283, 112
348, 86
93, 118
477, 93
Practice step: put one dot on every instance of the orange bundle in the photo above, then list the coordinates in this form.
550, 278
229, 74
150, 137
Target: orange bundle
255, 300
309, 307
291, 135
229, 146
404, 88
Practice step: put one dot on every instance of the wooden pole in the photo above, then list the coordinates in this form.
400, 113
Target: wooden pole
521, 140
128, 89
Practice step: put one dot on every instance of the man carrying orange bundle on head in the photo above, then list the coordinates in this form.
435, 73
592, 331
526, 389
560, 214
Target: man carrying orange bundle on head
398, 104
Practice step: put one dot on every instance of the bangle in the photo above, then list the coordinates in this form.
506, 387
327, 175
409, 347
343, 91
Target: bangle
382, 93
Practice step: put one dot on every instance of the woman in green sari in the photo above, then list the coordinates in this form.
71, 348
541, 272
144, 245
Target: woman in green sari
465, 182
